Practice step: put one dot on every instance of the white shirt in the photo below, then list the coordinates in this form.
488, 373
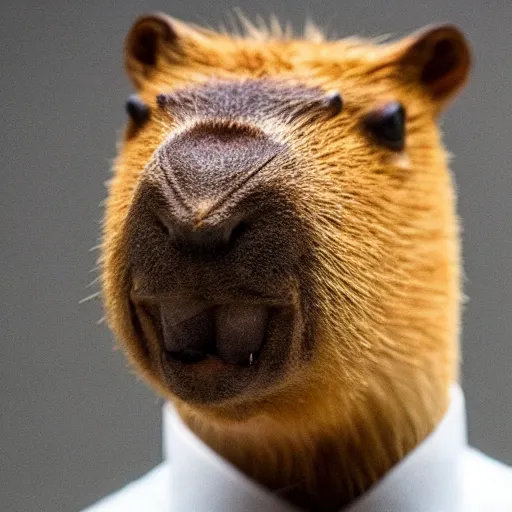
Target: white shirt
442, 474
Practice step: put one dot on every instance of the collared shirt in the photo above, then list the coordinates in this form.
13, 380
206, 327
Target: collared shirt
442, 474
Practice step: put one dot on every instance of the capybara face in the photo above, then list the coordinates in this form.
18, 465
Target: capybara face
281, 215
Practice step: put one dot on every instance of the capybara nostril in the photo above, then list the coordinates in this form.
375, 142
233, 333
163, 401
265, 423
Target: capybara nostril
216, 235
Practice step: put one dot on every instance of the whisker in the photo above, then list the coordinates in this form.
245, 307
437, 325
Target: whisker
93, 282
90, 297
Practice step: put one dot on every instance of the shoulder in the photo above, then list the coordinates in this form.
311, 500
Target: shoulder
148, 493
487, 483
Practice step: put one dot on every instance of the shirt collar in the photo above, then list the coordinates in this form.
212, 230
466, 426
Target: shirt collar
428, 479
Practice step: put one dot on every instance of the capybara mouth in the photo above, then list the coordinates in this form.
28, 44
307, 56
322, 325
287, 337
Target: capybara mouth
195, 330
207, 351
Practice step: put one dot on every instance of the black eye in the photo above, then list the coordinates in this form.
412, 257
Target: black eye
137, 110
387, 125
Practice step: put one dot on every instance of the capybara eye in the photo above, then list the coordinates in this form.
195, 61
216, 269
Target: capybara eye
137, 110
334, 102
387, 125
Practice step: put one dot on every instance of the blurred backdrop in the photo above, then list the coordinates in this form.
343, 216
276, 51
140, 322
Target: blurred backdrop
75, 422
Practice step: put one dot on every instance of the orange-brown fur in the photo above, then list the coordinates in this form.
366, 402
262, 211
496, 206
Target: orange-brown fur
388, 271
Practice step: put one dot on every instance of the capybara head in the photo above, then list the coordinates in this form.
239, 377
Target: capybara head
280, 232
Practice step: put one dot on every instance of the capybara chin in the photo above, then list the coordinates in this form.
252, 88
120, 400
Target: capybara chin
280, 250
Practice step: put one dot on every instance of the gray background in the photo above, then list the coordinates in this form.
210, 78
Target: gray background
75, 423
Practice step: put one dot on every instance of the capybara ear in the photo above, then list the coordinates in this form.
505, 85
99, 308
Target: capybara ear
146, 44
437, 58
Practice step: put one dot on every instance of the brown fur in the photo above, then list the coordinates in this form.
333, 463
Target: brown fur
386, 240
